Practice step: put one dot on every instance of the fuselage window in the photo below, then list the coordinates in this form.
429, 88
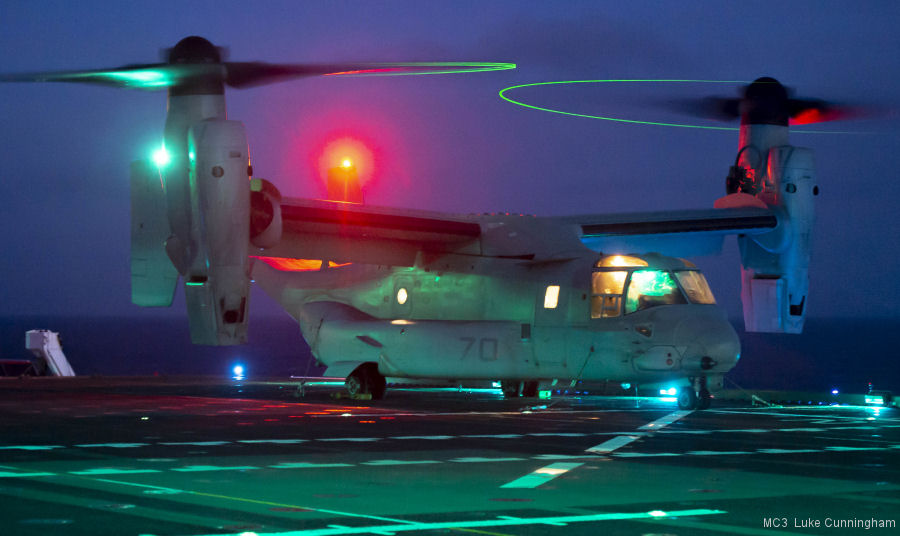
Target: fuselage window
606, 293
551, 297
695, 286
650, 288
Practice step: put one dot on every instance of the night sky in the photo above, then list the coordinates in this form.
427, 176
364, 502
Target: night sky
448, 142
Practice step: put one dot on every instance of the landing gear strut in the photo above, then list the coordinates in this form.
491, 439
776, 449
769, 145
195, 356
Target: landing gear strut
690, 399
512, 388
366, 380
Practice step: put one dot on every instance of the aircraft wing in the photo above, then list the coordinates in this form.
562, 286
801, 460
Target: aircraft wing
348, 232
682, 233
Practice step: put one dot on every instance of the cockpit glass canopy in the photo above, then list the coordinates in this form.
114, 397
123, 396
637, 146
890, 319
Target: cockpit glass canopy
695, 286
620, 261
606, 293
623, 284
650, 288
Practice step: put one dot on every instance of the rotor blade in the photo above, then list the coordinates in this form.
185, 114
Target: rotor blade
256, 73
149, 77
249, 74
718, 108
808, 111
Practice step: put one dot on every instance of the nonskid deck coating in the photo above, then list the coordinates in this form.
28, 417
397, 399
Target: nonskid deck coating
194, 456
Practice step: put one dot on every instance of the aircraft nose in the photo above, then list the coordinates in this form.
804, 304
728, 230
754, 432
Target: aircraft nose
713, 344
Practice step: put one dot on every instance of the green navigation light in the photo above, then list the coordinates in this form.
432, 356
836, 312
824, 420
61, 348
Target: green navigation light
141, 78
161, 157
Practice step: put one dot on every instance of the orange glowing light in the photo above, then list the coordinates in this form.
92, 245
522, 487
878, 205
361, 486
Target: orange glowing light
298, 265
347, 152
292, 265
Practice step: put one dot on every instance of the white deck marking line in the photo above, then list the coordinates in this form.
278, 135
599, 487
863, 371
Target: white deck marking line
431, 437
111, 445
478, 459
716, 452
6, 474
194, 443
618, 442
33, 447
304, 465
644, 454
356, 439
563, 457
543, 475
558, 434
112, 471
662, 422
200, 468
158, 489
613, 444
650, 428
494, 436
400, 462
786, 451
274, 441
499, 522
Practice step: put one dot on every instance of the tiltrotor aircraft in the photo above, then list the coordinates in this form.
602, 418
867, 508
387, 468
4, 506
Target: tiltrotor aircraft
382, 292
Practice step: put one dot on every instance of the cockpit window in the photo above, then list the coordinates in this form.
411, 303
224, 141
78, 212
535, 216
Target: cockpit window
606, 293
650, 288
695, 286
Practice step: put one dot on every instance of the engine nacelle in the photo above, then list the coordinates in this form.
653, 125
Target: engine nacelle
265, 214
217, 283
775, 271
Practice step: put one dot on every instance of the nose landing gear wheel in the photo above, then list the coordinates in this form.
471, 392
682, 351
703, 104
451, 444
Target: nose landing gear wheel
366, 380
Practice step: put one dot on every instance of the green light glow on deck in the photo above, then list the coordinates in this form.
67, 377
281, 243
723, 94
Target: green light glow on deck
502, 521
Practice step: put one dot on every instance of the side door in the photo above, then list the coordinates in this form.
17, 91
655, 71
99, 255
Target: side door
551, 327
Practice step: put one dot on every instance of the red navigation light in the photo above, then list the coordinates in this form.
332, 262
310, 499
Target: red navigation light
347, 153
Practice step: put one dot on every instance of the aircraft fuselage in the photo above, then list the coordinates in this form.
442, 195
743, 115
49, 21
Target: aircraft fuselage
501, 319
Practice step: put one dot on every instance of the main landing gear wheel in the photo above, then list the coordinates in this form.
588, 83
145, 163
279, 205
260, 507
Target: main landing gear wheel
687, 399
366, 380
513, 389
704, 400
530, 389
510, 388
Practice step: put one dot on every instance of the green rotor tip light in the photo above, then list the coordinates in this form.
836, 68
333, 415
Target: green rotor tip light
504, 96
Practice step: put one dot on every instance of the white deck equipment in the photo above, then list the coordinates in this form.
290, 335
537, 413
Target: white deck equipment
45, 346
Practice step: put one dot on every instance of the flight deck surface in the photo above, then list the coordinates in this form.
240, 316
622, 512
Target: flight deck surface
176, 456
